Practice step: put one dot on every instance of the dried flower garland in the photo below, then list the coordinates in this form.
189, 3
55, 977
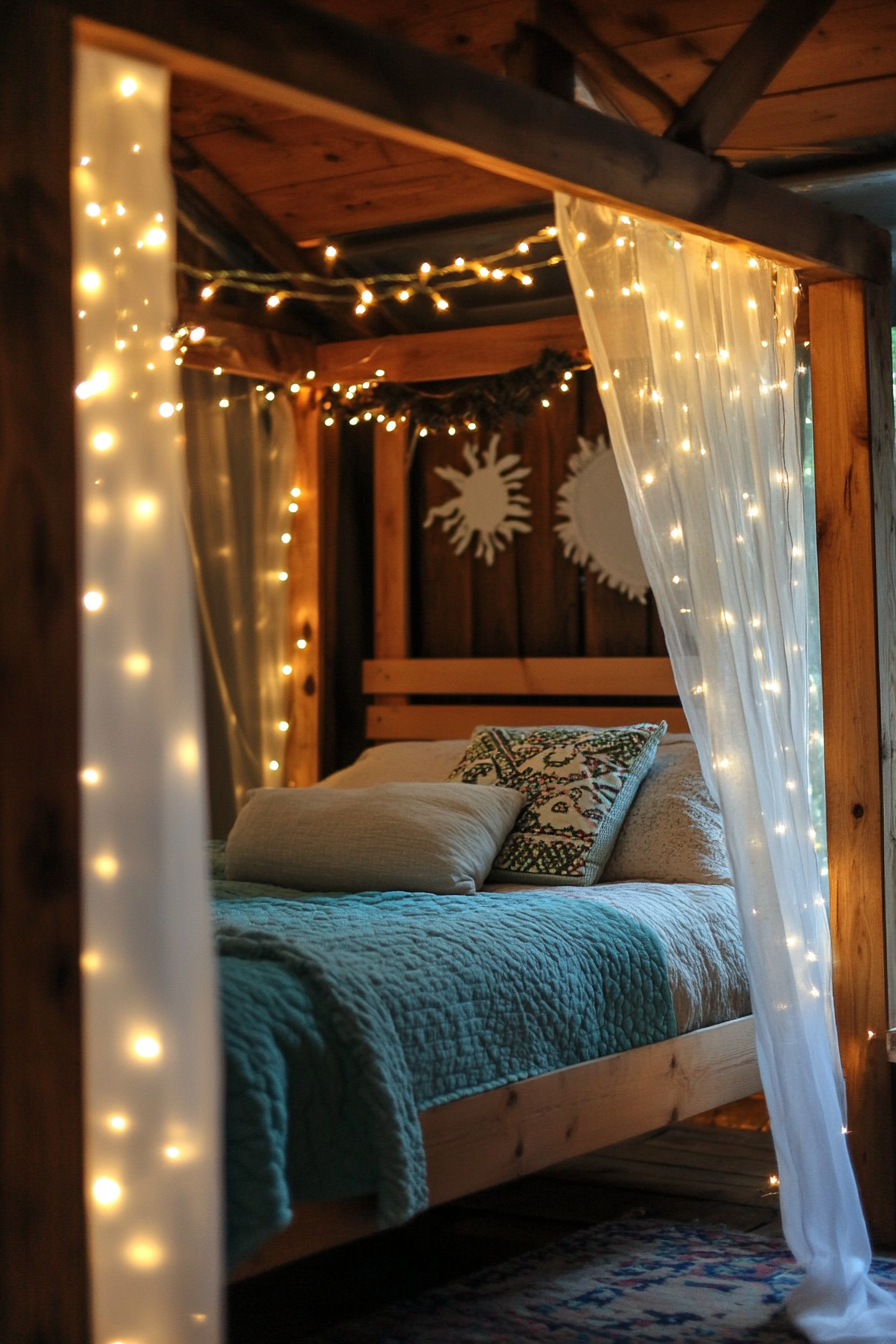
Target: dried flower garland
468, 403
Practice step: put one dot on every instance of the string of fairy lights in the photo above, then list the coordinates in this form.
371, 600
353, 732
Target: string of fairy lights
521, 262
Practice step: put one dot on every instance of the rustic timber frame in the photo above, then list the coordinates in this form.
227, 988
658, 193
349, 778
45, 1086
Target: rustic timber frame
315, 63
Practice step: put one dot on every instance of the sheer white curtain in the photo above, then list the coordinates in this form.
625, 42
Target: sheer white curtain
693, 348
240, 453
152, 1103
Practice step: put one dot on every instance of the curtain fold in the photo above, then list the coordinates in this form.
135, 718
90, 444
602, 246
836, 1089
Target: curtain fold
240, 454
152, 1038
694, 351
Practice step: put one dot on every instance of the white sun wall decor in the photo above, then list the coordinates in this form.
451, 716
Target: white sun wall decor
489, 501
597, 531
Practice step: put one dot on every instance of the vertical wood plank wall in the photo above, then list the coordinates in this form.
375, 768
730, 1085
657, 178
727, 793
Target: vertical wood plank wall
303, 748
840, 322
532, 602
43, 1261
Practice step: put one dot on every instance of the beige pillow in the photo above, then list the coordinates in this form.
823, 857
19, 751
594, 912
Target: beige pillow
439, 838
399, 763
673, 830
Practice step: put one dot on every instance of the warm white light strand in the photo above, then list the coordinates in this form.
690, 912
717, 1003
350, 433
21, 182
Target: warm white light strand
152, 1038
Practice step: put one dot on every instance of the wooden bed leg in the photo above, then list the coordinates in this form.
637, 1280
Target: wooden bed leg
303, 747
391, 547
43, 1250
852, 399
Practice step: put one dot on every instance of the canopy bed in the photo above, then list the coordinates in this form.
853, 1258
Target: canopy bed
315, 63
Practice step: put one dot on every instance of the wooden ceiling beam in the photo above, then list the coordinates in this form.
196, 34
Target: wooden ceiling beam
465, 353
235, 346
234, 208
743, 75
321, 65
563, 22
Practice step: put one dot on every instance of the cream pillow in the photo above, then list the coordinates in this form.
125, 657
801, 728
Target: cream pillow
399, 763
439, 838
673, 829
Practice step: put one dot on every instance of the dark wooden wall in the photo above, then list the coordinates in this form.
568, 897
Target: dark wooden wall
532, 602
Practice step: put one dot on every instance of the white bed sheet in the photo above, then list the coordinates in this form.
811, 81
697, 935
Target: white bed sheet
699, 929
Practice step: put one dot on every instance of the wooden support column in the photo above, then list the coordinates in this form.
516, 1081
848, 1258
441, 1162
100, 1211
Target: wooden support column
391, 637
303, 747
43, 1254
851, 391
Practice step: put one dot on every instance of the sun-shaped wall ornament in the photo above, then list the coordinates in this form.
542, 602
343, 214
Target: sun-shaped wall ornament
597, 529
488, 502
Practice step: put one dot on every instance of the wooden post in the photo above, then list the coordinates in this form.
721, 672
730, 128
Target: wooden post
391, 636
43, 1256
853, 464
303, 747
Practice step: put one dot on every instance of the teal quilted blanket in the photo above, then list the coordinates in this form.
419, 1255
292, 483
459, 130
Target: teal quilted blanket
346, 1015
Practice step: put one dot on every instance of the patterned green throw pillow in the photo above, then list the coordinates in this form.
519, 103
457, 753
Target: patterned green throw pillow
578, 784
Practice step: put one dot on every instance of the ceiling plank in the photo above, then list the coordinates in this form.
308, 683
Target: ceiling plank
860, 42
721, 102
323, 66
237, 210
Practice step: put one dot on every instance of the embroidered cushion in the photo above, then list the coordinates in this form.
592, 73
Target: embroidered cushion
577, 784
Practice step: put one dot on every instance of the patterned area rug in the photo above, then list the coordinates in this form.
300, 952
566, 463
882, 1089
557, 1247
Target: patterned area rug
638, 1282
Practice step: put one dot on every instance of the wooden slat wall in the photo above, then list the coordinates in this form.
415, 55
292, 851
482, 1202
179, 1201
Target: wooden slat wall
43, 1253
532, 602
839, 324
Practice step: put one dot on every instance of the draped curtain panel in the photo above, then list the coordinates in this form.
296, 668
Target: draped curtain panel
152, 1087
694, 352
240, 453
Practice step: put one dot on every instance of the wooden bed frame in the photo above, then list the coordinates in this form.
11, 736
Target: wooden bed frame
315, 63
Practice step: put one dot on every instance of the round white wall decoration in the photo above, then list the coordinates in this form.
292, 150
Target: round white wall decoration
488, 502
597, 530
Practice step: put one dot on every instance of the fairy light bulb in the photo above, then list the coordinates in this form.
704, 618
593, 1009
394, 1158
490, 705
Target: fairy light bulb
93, 600
146, 1047
331, 252
106, 1191
90, 775
128, 86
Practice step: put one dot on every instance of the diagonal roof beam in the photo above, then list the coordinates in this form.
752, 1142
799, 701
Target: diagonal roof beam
563, 22
708, 118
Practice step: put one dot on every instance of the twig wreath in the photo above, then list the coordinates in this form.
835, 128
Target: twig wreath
468, 403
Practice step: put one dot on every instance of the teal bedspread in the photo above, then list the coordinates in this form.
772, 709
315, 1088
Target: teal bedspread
346, 1015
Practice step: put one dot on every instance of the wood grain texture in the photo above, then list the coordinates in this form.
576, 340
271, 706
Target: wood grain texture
242, 214
43, 1254
852, 728
393, 723
390, 532
744, 73
520, 676
497, 1136
320, 65
882, 444
252, 352
427, 356
306, 600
